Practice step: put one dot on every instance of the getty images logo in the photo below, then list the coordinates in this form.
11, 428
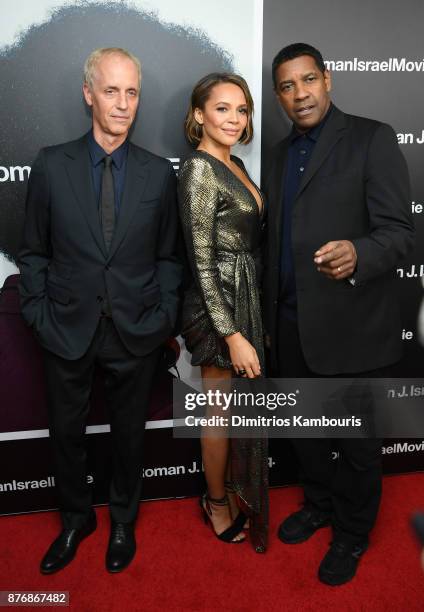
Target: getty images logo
393, 64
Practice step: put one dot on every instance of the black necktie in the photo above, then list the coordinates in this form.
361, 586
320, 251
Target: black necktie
107, 202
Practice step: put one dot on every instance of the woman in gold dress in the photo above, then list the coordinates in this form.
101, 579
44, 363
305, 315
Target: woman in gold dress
221, 211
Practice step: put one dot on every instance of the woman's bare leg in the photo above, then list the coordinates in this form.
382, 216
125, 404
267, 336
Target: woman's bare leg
215, 450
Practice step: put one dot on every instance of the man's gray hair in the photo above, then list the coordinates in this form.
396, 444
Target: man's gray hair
96, 55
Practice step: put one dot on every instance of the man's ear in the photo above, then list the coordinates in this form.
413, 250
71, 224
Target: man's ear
327, 79
87, 94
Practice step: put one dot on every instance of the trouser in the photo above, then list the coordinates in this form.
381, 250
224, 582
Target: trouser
348, 488
128, 380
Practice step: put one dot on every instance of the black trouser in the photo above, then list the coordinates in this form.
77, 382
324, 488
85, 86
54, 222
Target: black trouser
128, 381
350, 487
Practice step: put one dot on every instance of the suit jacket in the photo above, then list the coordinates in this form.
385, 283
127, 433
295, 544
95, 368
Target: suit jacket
355, 187
66, 269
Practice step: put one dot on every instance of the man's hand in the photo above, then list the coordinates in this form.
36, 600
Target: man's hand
336, 259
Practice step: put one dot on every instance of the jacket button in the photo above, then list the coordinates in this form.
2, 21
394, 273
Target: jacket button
99, 299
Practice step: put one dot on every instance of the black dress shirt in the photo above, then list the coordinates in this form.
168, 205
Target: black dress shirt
299, 153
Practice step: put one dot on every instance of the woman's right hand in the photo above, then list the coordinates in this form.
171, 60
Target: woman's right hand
243, 356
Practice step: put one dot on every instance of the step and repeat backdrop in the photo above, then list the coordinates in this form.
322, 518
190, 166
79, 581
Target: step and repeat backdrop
377, 65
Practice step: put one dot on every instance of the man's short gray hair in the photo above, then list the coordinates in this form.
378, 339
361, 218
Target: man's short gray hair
96, 55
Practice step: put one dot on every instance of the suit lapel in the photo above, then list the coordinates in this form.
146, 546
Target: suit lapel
331, 133
136, 178
276, 188
78, 168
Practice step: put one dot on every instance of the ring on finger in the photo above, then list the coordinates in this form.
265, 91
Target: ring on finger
242, 372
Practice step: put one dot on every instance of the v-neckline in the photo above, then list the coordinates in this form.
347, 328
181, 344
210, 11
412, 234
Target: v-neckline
259, 210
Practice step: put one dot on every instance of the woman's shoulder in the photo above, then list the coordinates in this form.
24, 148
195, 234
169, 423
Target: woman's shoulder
196, 171
198, 158
197, 162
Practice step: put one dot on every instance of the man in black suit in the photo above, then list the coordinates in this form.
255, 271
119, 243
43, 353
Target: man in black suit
99, 285
339, 223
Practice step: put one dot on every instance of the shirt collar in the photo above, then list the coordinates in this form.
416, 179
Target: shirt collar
314, 132
97, 154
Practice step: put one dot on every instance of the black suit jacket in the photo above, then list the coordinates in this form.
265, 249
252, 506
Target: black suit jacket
355, 187
66, 269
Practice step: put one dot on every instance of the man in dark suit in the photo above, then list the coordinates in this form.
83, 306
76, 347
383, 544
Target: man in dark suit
339, 223
99, 286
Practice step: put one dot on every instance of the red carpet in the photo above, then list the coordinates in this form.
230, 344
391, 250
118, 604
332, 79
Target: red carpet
181, 566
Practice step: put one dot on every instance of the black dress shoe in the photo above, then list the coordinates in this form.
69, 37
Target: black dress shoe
299, 526
341, 561
65, 546
121, 549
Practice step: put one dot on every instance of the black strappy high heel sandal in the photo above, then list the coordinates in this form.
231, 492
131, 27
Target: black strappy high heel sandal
232, 531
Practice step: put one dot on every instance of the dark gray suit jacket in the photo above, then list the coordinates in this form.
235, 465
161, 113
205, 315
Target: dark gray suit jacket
66, 269
355, 187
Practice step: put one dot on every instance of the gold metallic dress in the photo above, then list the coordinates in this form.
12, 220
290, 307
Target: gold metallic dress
222, 228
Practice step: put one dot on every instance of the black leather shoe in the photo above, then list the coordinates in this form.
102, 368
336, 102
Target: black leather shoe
65, 546
341, 561
299, 526
121, 549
